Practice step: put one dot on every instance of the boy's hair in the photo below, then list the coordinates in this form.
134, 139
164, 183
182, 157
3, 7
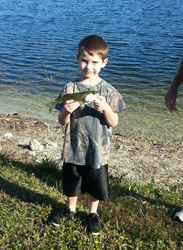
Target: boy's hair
94, 44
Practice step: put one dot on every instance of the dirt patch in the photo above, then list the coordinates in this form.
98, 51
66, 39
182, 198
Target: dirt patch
138, 158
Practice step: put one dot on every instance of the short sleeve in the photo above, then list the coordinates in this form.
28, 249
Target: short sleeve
116, 102
59, 106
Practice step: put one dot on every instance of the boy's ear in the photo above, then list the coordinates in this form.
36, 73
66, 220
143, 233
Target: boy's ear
105, 61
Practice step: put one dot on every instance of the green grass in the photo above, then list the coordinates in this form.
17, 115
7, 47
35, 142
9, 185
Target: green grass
136, 216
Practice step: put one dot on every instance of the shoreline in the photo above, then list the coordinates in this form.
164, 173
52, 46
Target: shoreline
139, 158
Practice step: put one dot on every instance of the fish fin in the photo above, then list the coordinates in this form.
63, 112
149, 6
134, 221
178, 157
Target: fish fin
64, 93
50, 105
82, 103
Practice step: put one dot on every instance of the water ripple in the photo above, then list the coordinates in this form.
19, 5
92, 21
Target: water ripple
39, 42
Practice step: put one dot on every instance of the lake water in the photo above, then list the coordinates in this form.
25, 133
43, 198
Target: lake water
38, 44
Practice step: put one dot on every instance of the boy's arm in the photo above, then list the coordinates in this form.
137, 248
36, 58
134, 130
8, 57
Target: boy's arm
110, 117
171, 96
69, 107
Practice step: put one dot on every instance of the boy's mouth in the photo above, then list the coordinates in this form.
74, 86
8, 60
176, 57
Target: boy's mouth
88, 72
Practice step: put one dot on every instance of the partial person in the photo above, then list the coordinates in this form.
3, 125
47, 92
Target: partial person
170, 101
172, 94
88, 133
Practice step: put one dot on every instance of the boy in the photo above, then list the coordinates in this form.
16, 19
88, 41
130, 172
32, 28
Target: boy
88, 133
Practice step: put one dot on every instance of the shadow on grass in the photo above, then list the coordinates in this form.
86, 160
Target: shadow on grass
49, 172
26, 195
119, 188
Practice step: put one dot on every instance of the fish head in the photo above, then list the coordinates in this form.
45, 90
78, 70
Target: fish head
91, 97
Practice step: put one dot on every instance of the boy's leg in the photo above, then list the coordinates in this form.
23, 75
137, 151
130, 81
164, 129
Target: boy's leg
72, 203
93, 219
67, 213
71, 181
97, 183
93, 204
64, 215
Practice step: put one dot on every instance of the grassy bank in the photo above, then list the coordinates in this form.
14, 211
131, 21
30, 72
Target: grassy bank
135, 217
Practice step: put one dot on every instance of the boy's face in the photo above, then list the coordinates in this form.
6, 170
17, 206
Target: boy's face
89, 65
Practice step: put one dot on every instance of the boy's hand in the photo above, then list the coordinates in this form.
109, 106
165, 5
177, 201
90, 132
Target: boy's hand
100, 104
71, 105
111, 118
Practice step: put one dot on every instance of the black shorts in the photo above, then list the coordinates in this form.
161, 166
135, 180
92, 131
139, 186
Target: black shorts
77, 180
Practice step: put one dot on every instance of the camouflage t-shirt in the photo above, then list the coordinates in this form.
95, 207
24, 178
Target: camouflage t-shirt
87, 135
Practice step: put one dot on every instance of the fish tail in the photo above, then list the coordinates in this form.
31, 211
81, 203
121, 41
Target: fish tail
50, 105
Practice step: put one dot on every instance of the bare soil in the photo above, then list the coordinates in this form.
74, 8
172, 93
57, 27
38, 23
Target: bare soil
137, 158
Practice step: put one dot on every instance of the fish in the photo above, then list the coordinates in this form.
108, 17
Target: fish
81, 97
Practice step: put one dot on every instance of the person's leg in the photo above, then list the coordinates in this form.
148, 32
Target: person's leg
71, 181
93, 204
72, 201
64, 215
93, 219
97, 184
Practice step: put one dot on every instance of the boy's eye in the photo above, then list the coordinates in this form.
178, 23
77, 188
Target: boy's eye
85, 61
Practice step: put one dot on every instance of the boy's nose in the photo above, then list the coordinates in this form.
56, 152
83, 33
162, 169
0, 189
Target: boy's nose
89, 65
